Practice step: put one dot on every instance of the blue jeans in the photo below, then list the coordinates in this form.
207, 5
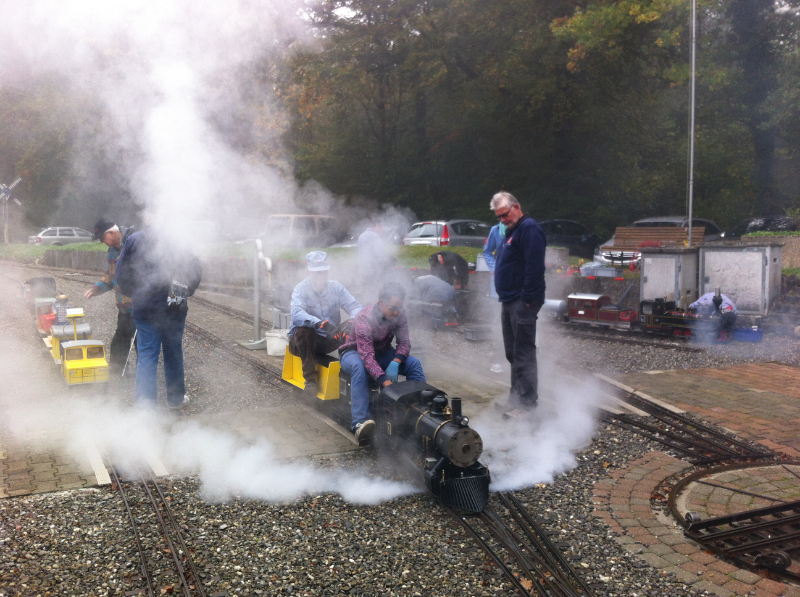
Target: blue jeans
152, 335
359, 379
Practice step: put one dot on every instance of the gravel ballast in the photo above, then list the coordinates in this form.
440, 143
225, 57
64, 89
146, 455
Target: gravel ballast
78, 543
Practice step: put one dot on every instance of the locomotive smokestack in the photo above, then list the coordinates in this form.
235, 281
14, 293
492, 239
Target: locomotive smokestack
455, 407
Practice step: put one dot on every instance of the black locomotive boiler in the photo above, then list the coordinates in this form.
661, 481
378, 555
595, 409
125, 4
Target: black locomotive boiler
417, 422
417, 419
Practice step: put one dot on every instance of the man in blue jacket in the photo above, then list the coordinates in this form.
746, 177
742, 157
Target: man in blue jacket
159, 277
519, 281
316, 317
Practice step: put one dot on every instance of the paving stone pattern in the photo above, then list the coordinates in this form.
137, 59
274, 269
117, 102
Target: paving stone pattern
623, 502
759, 403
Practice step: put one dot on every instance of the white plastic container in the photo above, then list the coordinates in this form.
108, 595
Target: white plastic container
277, 341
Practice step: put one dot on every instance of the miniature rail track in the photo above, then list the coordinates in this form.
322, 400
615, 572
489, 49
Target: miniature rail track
232, 312
702, 444
237, 355
540, 568
610, 336
764, 538
145, 505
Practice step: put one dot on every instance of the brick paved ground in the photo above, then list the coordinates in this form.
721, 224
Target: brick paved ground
758, 402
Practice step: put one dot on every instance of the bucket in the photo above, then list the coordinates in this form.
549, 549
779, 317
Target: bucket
277, 341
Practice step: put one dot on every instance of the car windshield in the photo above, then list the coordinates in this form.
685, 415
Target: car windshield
471, 229
424, 230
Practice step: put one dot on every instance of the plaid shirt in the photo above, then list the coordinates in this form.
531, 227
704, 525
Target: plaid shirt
109, 281
373, 334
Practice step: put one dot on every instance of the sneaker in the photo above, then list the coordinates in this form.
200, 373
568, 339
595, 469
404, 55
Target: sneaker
496, 368
311, 389
364, 431
183, 404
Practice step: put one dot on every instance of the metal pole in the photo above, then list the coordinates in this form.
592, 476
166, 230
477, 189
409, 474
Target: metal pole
5, 219
257, 290
691, 117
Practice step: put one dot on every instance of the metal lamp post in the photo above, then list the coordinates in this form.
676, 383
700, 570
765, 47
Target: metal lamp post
5, 195
691, 117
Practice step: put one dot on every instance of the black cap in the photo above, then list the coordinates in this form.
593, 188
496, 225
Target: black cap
101, 227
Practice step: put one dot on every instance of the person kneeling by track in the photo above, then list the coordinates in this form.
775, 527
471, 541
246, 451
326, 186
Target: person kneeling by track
369, 350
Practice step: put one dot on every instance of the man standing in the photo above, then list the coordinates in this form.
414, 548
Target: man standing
108, 233
519, 281
316, 302
159, 277
369, 350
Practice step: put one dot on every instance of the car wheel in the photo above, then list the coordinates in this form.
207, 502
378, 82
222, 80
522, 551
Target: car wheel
57, 244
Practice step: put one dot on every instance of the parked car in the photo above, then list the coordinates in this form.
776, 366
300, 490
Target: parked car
761, 224
443, 233
391, 234
58, 236
302, 230
712, 233
574, 236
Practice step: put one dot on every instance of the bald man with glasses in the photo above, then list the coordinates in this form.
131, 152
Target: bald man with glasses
519, 282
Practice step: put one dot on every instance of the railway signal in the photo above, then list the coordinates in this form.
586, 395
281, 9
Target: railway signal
6, 196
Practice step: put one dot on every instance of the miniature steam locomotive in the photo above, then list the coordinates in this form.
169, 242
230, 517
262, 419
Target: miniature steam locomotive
81, 359
655, 316
416, 421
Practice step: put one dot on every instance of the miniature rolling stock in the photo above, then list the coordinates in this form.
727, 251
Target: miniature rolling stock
417, 422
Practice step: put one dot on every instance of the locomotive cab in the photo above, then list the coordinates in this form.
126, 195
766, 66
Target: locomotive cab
84, 361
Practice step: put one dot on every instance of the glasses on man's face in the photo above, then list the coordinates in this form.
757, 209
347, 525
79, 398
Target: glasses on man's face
394, 310
504, 215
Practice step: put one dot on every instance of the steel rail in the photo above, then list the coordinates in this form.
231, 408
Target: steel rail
274, 375
552, 550
659, 435
536, 556
620, 340
142, 560
722, 439
168, 524
490, 552
165, 532
539, 572
742, 491
233, 312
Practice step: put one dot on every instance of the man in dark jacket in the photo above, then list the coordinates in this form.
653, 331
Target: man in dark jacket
108, 233
519, 281
159, 277
451, 268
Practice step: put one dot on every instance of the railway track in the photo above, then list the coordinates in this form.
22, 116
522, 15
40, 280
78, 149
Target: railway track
610, 336
699, 442
522, 550
237, 355
166, 561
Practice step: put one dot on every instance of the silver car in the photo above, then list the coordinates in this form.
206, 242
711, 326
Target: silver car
443, 233
609, 256
58, 236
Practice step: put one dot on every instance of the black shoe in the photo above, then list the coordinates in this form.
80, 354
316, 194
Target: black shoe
364, 431
311, 389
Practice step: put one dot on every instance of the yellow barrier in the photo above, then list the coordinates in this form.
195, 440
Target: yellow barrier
328, 376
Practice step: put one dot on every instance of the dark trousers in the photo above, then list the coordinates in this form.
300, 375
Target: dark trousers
519, 339
121, 342
306, 344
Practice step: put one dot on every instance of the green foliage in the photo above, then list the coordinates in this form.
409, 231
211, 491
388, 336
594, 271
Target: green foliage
768, 233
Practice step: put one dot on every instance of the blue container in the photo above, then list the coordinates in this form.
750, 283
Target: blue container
748, 334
